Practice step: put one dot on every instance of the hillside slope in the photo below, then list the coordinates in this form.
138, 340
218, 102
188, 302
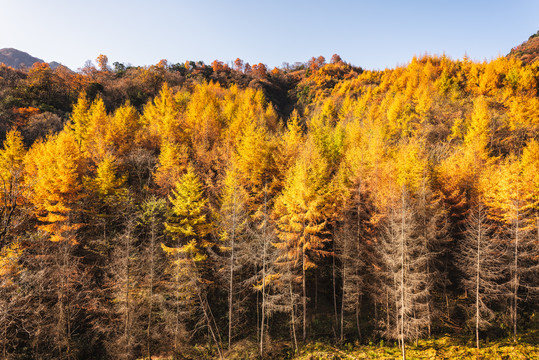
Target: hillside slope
528, 51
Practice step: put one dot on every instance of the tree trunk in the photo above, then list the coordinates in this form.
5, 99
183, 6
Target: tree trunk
150, 305
358, 248
403, 267
292, 311
231, 282
127, 304
203, 305
335, 289
315, 289
178, 296
263, 275
515, 274
477, 270
304, 297
342, 302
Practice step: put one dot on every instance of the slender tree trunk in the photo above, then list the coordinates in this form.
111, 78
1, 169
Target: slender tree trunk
263, 278
358, 248
4, 351
150, 305
515, 274
177, 322
429, 316
62, 297
477, 272
231, 278
68, 330
292, 311
343, 297
206, 310
358, 312
127, 284
388, 319
304, 298
333, 275
426, 239
315, 289
403, 267
258, 319
209, 322
446, 294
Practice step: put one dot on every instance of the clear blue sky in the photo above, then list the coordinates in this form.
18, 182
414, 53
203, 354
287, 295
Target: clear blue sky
372, 34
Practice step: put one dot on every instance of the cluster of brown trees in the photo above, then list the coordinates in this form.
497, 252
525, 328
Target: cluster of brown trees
395, 204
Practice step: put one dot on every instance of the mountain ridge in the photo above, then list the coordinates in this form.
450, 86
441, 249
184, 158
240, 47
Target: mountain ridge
528, 51
18, 59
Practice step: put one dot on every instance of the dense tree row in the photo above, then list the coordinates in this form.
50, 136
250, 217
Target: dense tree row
395, 204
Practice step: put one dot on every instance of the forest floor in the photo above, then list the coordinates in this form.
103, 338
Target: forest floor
526, 347
445, 347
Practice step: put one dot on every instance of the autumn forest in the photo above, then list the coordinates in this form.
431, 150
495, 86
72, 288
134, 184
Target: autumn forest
195, 211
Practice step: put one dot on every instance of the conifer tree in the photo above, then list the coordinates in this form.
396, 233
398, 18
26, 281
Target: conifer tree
151, 218
80, 118
11, 181
510, 201
95, 143
161, 117
301, 212
55, 168
173, 160
233, 223
188, 227
479, 260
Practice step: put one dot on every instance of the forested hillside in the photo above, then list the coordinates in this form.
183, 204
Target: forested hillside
188, 211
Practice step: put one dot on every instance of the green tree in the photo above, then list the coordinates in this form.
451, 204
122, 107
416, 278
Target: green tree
188, 227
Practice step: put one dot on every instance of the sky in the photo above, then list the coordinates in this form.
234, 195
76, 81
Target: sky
375, 34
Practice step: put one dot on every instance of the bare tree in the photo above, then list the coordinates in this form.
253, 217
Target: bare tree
351, 250
480, 261
265, 254
124, 271
522, 254
55, 290
282, 293
404, 275
234, 254
151, 219
432, 232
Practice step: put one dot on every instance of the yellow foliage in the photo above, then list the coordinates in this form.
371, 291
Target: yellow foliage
411, 165
9, 259
98, 120
54, 170
80, 118
121, 134
303, 208
423, 100
478, 136
399, 116
11, 168
523, 113
187, 222
161, 117
107, 182
290, 145
173, 160
253, 163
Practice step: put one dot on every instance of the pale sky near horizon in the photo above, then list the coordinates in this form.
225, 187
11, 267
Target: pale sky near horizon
370, 34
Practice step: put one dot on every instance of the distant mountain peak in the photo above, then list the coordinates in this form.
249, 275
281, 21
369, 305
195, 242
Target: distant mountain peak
17, 59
